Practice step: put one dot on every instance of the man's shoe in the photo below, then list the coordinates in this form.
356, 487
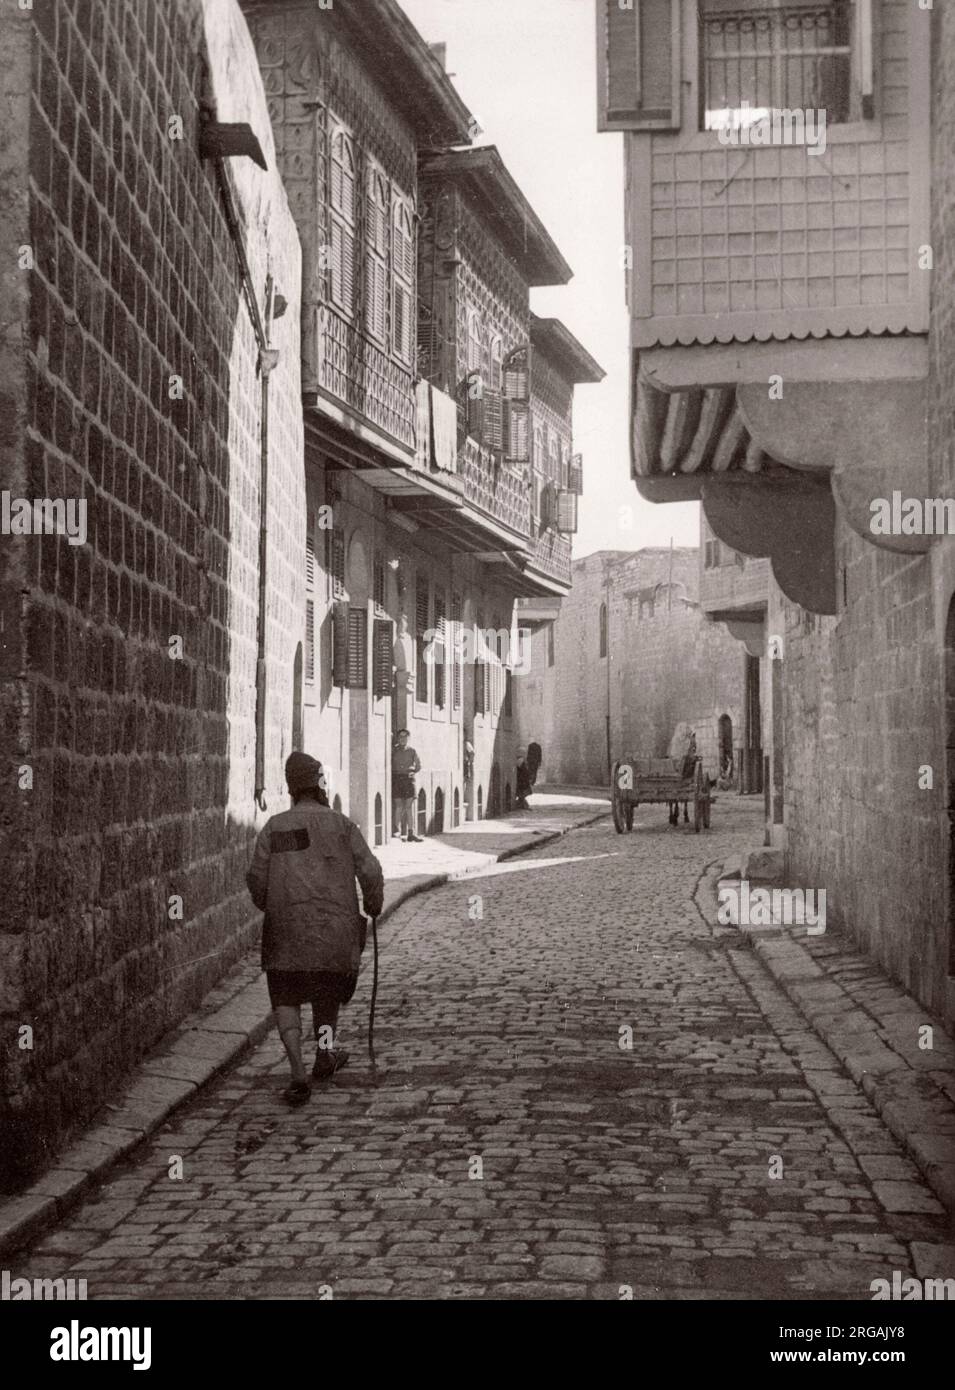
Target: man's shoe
415, 840
328, 1063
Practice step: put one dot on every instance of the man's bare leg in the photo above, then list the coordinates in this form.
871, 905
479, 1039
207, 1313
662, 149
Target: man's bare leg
289, 1020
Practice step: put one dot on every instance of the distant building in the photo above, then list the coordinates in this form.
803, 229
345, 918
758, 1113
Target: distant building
629, 664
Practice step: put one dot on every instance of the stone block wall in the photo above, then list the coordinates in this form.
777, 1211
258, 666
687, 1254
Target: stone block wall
128, 669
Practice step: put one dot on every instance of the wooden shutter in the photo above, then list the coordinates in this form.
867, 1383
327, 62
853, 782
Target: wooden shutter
309, 641
384, 640
422, 614
340, 644
638, 62
517, 372
441, 650
474, 400
376, 296
455, 653
357, 648
516, 432
336, 562
492, 422
575, 474
566, 513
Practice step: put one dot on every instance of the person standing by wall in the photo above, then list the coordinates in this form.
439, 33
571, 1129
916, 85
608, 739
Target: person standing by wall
302, 876
524, 781
405, 763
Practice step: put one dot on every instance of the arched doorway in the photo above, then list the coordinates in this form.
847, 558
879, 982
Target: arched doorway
437, 819
422, 813
480, 803
456, 809
379, 820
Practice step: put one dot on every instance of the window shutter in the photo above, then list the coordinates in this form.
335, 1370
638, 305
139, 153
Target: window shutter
310, 641
402, 323
566, 513
440, 650
480, 682
516, 431
340, 644
376, 297
638, 56
384, 640
336, 563
517, 373
422, 614
492, 423
357, 649
474, 399
455, 654
575, 476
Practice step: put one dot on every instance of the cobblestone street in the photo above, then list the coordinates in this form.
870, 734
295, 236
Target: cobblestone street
512, 1146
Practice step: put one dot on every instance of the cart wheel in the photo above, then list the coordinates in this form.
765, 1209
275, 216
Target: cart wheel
629, 816
616, 800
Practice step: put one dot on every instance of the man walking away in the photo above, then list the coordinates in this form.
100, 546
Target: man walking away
302, 877
404, 764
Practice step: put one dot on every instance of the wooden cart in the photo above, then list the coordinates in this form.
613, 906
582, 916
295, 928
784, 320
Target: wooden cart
655, 781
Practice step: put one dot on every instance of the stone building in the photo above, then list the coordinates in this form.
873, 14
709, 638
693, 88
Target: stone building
631, 661
790, 318
146, 659
424, 512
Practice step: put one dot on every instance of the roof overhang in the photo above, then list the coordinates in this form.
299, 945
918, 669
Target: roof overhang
773, 437
481, 174
570, 357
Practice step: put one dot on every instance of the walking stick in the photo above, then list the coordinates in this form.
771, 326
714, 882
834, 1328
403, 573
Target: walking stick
374, 994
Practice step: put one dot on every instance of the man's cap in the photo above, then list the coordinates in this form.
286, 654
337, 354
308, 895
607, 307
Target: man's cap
303, 772
403, 731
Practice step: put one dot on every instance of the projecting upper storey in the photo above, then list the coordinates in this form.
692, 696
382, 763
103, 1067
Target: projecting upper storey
733, 241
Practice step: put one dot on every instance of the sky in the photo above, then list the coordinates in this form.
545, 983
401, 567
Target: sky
527, 71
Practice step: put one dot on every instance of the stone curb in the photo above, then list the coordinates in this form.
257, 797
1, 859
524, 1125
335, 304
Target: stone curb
910, 1101
166, 1079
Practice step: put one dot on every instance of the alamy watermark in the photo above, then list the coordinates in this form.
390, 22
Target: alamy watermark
754, 126
743, 906
19, 1290
44, 516
912, 516
493, 646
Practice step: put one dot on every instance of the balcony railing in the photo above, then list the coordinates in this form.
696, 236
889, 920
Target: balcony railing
496, 489
363, 376
552, 556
